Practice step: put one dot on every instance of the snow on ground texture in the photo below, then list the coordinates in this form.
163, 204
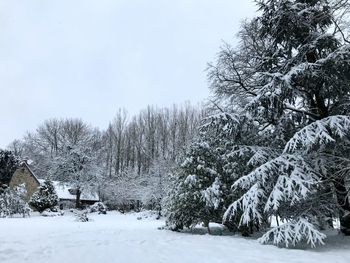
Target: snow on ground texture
123, 238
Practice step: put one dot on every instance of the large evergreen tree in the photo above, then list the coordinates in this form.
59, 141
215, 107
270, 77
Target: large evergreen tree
290, 75
288, 84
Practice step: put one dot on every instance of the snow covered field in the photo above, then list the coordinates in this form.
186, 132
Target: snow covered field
123, 238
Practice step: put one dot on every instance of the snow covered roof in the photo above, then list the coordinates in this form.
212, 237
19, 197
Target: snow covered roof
62, 190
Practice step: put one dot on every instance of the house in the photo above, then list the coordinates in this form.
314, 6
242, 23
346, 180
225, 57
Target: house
66, 195
25, 176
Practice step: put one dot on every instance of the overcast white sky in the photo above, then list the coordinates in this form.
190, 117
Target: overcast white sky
87, 58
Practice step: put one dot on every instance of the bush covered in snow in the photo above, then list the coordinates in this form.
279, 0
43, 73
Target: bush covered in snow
81, 216
99, 207
45, 197
54, 211
11, 202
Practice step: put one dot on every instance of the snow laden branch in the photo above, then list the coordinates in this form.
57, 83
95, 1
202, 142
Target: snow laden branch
212, 195
287, 178
222, 122
287, 164
258, 154
319, 132
249, 204
292, 233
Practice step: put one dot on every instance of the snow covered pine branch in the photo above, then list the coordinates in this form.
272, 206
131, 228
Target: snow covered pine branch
289, 182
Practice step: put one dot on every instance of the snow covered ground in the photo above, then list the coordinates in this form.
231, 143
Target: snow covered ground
123, 238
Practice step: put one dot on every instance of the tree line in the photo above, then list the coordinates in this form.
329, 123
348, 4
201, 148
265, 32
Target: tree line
116, 161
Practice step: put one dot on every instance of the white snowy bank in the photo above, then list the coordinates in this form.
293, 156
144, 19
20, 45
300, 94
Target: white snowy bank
123, 238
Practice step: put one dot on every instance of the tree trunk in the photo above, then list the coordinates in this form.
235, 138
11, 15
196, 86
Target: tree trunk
206, 224
77, 200
159, 216
343, 201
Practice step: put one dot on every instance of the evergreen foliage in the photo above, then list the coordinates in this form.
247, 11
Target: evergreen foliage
197, 194
283, 124
202, 188
45, 197
8, 165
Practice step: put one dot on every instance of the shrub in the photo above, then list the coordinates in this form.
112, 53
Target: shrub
99, 207
45, 198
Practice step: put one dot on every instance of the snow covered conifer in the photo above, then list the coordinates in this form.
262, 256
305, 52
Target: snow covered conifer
290, 77
45, 197
196, 196
201, 190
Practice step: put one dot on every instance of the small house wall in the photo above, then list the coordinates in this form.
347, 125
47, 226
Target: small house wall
23, 176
